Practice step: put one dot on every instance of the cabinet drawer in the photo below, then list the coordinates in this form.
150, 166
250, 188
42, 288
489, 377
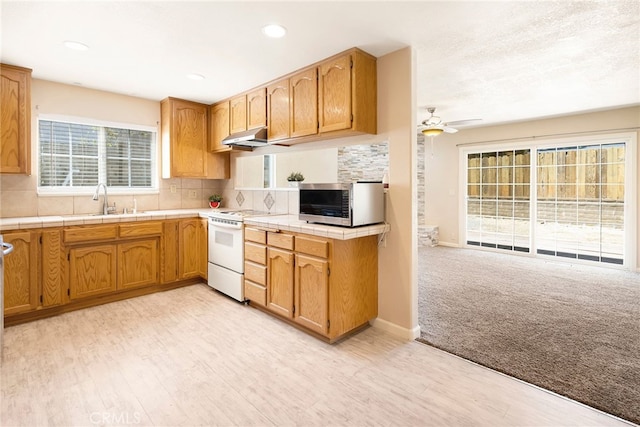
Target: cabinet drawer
255, 235
280, 240
319, 248
140, 229
87, 234
255, 293
255, 253
255, 273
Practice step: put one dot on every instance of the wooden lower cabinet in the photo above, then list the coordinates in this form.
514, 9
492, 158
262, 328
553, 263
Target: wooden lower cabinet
311, 290
137, 264
21, 273
92, 271
280, 282
327, 286
203, 248
54, 289
188, 250
58, 269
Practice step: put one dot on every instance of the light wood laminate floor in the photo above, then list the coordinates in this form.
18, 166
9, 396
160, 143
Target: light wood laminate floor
191, 356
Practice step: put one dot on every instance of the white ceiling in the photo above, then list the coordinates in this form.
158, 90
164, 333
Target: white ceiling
500, 61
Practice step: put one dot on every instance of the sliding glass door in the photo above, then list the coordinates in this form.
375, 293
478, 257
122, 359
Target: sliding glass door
580, 202
498, 190
557, 200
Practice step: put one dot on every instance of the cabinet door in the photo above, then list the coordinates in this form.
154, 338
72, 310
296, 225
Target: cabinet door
189, 139
203, 247
257, 109
238, 112
15, 120
219, 121
21, 273
280, 282
169, 252
312, 293
92, 271
53, 287
137, 264
278, 111
188, 259
334, 92
304, 103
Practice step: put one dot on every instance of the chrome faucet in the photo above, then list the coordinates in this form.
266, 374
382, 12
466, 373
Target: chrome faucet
105, 206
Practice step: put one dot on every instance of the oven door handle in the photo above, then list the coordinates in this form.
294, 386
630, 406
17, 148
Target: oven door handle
237, 226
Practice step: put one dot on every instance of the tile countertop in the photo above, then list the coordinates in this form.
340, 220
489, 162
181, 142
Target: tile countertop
7, 224
292, 223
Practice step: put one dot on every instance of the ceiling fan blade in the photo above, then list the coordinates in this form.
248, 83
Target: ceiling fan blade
462, 122
448, 129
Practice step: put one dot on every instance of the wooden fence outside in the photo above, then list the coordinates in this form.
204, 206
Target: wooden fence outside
576, 173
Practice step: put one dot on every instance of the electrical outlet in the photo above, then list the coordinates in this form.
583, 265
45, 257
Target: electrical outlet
193, 194
173, 189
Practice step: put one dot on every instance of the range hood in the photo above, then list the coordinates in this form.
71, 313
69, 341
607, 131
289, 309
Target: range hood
250, 138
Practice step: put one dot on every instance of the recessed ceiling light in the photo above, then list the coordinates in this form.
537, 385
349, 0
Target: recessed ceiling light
274, 30
194, 76
75, 45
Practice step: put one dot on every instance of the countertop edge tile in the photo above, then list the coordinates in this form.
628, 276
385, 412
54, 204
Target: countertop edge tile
293, 224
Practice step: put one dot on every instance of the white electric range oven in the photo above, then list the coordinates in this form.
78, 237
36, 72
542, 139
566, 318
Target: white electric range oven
226, 251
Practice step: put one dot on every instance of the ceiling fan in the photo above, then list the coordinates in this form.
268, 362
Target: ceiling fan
434, 126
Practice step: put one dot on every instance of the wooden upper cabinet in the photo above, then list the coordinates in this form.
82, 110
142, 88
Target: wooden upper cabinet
184, 129
278, 110
334, 87
257, 109
185, 142
347, 93
219, 126
238, 114
303, 98
15, 120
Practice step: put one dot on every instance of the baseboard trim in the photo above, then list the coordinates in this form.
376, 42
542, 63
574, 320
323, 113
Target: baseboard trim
448, 244
398, 331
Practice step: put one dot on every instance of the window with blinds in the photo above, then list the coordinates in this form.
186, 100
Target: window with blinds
76, 155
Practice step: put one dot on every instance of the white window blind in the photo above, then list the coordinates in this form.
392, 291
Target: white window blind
76, 155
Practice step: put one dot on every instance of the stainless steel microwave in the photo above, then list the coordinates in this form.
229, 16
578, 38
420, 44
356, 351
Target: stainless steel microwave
350, 204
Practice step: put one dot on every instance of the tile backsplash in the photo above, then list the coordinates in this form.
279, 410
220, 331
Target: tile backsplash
280, 201
19, 197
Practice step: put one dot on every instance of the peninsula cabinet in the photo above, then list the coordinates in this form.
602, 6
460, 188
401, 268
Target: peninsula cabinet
15, 120
185, 142
328, 287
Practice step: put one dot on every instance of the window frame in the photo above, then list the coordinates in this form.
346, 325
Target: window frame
102, 158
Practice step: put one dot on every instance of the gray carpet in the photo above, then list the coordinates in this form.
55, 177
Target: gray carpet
572, 329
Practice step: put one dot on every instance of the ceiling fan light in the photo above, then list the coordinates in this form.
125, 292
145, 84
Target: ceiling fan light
432, 131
